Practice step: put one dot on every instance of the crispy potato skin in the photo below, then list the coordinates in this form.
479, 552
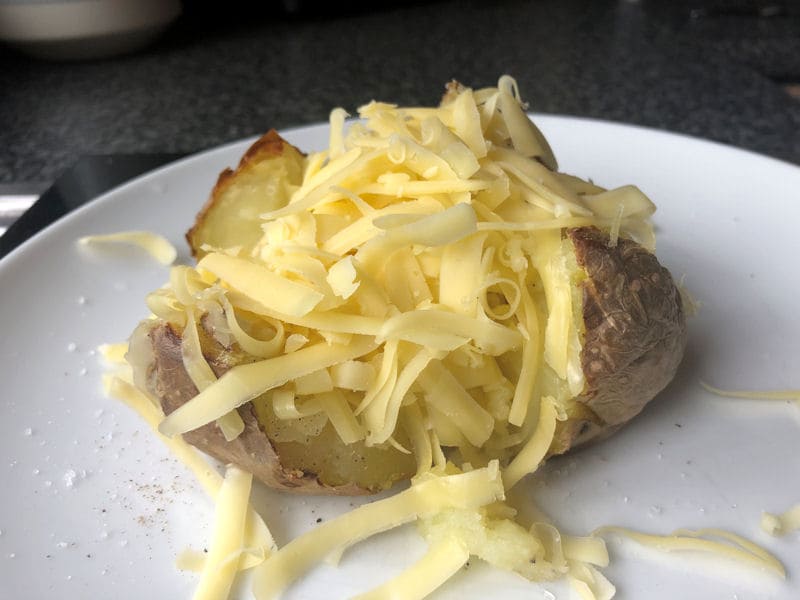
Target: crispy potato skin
167, 380
634, 336
268, 146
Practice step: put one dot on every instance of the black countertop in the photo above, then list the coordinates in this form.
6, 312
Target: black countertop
720, 70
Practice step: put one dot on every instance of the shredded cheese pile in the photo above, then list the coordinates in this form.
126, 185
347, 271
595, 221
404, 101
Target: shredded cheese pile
415, 292
414, 285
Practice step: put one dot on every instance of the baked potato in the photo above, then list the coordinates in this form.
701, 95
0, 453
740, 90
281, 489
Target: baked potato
588, 316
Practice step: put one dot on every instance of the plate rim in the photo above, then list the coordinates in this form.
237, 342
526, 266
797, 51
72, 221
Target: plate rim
548, 119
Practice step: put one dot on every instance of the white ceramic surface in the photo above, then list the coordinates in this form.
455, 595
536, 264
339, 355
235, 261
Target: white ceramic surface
93, 506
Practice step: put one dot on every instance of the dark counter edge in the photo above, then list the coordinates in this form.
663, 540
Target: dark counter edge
88, 178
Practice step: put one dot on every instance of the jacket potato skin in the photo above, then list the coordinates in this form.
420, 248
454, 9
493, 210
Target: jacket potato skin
635, 325
634, 335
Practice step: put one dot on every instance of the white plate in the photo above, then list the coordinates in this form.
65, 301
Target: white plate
93, 506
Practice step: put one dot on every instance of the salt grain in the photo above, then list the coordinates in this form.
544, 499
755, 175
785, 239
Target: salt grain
69, 478
71, 347
27, 431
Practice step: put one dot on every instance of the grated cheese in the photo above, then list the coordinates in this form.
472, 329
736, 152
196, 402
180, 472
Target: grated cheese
248, 343
233, 499
535, 449
463, 490
791, 395
155, 245
730, 545
262, 285
590, 583
440, 563
202, 376
244, 382
113, 353
781, 524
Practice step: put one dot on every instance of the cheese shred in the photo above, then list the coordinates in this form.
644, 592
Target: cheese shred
790, 395
155, 245
463, 490
535, 449
729, 545
418, 581
781, 524
233, 500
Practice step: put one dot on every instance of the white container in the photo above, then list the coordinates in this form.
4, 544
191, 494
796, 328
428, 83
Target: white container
81, 29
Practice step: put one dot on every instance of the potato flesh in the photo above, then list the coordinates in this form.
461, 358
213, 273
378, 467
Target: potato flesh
264, 181
334, 462
314, 447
